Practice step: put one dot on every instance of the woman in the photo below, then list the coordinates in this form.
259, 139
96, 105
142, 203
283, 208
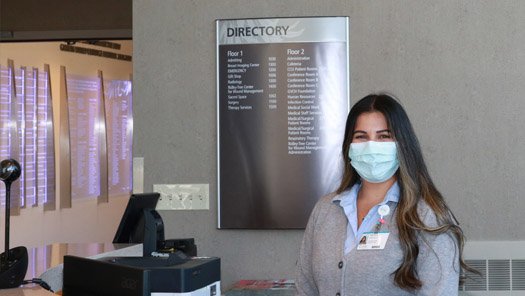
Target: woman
386, 230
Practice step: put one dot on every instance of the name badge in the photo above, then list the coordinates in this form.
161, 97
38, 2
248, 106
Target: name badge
373, 240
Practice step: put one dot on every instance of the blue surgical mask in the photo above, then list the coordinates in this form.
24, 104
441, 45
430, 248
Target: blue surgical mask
375, 162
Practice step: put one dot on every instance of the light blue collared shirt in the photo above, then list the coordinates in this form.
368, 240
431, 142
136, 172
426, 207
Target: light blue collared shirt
348, 201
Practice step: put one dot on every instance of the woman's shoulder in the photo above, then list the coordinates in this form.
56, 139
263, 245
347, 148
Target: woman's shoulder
427, 214
329, 198
323, 207
325, 202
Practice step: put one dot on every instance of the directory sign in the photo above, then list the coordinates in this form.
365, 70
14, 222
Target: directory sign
282, 100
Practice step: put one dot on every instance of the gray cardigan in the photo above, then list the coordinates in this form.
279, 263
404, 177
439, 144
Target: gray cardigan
324, 269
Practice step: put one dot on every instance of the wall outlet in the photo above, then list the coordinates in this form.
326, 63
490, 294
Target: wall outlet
183, 196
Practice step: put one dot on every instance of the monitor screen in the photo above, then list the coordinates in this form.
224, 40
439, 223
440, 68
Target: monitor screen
131, 227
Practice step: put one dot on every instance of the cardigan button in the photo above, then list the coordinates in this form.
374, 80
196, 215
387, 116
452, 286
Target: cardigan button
340, 264
337, 294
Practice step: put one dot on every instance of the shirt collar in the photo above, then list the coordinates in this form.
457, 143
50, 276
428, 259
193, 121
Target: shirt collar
349, 197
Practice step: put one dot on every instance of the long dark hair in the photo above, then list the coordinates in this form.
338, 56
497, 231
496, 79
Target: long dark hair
414, 183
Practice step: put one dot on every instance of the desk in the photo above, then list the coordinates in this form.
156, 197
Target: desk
33, 291
282, 287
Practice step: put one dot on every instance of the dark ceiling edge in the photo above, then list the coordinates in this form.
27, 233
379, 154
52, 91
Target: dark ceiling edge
72, 35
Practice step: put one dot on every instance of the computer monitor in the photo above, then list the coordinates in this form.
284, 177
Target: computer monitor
131, 227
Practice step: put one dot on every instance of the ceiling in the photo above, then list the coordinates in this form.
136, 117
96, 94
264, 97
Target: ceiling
37, 20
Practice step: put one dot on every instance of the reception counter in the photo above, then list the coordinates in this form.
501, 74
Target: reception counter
26, 291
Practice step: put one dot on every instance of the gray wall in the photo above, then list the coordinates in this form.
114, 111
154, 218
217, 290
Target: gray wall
457, 66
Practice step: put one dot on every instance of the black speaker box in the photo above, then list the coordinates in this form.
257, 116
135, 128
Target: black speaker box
13, 271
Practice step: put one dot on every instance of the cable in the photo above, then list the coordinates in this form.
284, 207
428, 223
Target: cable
39, 282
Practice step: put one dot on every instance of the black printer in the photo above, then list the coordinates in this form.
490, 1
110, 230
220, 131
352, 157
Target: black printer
141, 276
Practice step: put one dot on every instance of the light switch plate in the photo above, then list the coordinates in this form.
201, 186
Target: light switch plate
183, 196
138, 174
